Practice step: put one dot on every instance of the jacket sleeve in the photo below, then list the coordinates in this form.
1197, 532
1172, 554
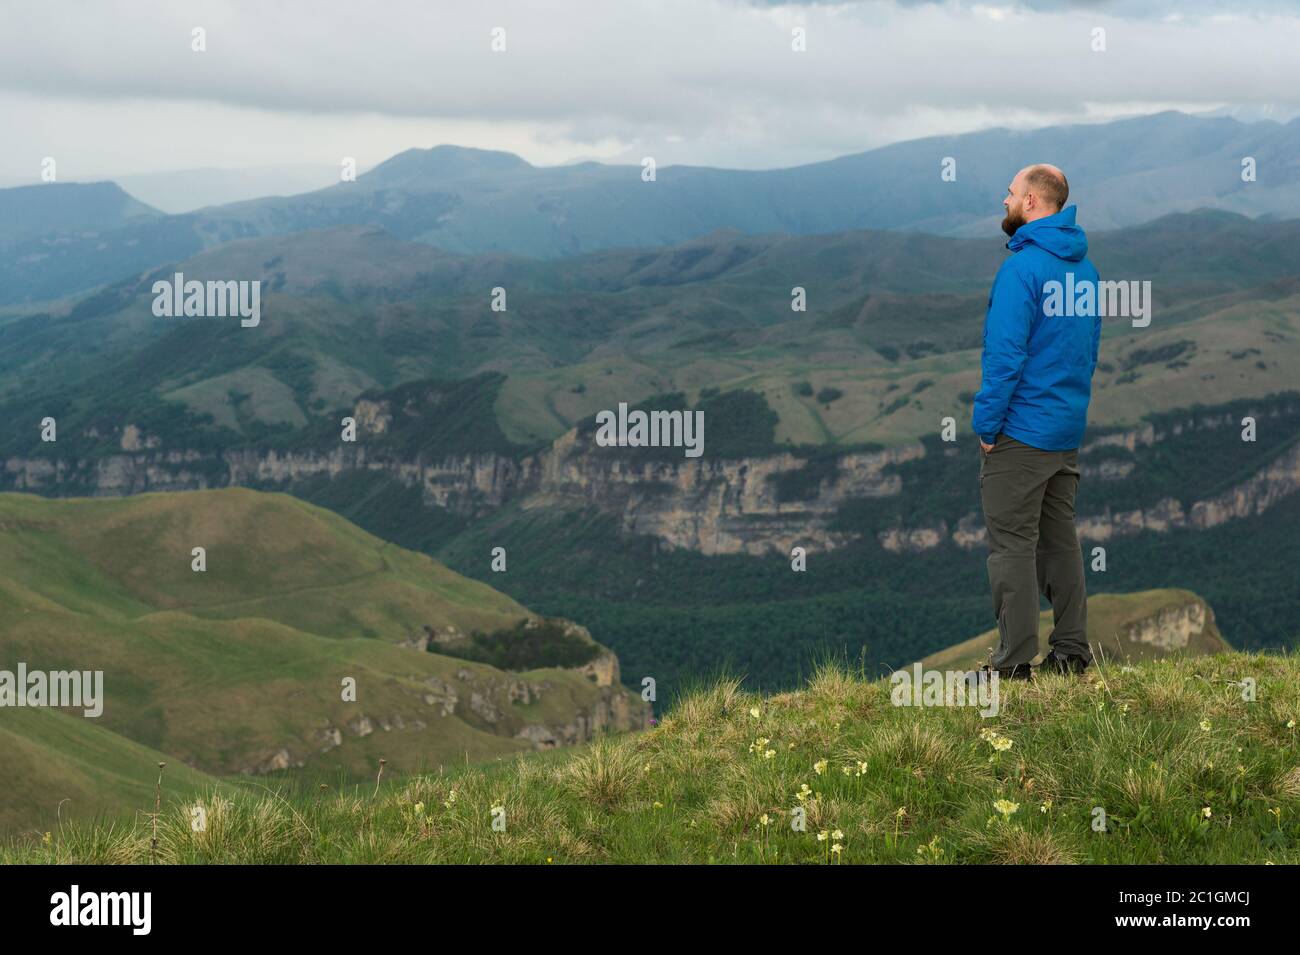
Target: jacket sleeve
1096, 333
1012, 304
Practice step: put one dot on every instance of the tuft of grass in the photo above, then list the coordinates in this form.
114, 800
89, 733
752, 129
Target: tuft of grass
605, 775
1147, 749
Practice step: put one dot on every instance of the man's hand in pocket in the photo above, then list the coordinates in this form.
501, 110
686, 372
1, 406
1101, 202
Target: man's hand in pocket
986, 448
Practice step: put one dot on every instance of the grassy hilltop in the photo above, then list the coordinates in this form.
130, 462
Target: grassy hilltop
238, 670
1185, 770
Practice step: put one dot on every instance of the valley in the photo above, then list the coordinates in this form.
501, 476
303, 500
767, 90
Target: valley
477, 429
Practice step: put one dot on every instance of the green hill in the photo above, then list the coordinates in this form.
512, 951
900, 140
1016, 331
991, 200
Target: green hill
61, 766
1184, 768
240, 669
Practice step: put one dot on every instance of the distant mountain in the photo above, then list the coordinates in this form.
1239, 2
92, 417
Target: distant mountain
419, 169
1122, 173
69, 207
479, 201
186, 190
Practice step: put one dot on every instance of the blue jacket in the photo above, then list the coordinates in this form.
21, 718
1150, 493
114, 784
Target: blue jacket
1038, 366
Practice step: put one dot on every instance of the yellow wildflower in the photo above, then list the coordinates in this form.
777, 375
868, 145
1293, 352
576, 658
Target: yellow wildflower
1006, 807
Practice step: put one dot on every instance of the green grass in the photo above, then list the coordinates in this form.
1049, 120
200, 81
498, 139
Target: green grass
253, 391
269, 556
61, 766
1153, 745
226, 669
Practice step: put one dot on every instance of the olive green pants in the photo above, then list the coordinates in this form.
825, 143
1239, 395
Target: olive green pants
1028, 499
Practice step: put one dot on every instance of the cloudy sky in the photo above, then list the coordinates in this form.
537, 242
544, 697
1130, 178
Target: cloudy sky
113, 86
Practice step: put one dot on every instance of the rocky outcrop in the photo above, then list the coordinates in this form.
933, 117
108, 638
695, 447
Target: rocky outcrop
1277, 480
442, 696
1169, 629
434, 637
613, 711
373, 417
709, 505
1248, 498
133, 439
330, 738
487, 700
278, 760
603, 671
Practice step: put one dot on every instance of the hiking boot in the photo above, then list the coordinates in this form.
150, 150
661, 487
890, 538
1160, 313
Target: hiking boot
1021, 671
1064, 664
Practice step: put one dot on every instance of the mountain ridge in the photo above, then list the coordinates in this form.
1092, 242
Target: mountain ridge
468, 200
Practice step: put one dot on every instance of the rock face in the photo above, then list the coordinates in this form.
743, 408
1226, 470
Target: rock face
603, 671
533, 708
278, 760
1171, 628
442, 696
709, 505
611, 713
537, 708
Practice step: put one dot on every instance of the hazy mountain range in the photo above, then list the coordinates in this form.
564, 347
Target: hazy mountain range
475, 201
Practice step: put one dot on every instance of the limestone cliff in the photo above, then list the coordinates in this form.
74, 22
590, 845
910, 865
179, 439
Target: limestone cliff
538, 709
709, 505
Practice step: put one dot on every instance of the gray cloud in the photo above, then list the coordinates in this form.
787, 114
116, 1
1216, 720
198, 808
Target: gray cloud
700, 81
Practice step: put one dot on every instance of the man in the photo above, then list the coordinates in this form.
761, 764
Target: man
1030, 415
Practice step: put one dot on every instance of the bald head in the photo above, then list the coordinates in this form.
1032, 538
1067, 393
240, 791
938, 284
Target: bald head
1047, 183
1037, 191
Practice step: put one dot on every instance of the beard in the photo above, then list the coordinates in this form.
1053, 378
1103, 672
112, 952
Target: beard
1013, 221
1015, 218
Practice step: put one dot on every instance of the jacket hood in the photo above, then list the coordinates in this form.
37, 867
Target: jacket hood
1056, 234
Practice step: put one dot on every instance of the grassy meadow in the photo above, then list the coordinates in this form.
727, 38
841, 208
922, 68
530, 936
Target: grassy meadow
1185, 769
